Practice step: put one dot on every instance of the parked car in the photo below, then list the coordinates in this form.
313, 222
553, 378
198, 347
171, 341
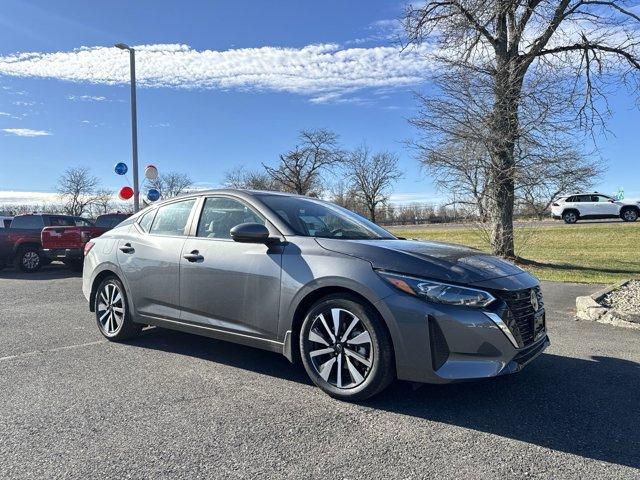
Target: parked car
66, 243
21, 242
5, 221
594, 205
316, 282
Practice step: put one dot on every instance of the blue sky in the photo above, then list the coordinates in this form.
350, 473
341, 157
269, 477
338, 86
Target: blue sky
245, 108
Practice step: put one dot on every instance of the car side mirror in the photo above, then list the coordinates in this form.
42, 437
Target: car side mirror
250, 233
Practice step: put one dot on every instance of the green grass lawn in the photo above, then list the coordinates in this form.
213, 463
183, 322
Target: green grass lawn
593, 253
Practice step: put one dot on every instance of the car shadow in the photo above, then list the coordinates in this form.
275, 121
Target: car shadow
50, 272
578, 406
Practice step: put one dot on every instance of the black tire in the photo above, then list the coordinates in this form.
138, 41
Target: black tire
629, 214
126, 328
29, 259
378, 351
570, 217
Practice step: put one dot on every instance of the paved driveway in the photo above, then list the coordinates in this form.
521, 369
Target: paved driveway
175, 405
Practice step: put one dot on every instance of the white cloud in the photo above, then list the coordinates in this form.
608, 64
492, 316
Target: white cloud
12, 197
86, 98
314, 70
26, 132
5, 114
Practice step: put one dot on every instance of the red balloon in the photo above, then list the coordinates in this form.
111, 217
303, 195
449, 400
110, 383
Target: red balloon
125, 193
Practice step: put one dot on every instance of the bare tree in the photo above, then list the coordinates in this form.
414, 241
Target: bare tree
76, 188
103, 201
576, 47
239, 177
372, 176
299, 170
171, 184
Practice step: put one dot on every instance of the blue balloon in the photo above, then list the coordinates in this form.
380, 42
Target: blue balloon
121, 168
153, 195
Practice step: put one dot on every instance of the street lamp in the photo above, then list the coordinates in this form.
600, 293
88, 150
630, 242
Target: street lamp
134, 123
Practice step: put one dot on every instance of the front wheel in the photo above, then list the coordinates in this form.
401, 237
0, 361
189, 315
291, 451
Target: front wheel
629, 214
29, 259
345, 348
112, 311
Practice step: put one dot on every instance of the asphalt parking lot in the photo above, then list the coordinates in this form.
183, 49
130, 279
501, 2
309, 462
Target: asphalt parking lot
173, 405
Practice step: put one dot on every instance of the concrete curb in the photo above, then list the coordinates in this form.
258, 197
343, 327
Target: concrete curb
590, 308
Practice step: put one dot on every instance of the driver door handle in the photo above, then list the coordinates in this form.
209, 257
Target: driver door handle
127, 248
193, 256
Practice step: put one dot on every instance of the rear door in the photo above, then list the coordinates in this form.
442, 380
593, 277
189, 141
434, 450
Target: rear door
149, 255
232, 286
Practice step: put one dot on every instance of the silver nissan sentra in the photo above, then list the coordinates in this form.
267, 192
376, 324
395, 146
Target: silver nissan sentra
317, 283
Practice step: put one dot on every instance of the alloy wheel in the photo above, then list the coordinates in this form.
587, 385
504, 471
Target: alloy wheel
30, 260
341, 350
630, 215
111, 309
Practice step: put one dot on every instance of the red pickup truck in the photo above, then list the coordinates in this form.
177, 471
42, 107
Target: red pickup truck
20, 242
66, 243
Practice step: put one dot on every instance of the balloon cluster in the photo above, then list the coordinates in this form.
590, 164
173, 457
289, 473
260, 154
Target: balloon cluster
150, 173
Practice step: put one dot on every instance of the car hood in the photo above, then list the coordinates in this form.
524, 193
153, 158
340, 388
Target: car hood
434, 260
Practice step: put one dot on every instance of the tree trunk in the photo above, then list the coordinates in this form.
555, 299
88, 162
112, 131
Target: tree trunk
372, 214
502, 146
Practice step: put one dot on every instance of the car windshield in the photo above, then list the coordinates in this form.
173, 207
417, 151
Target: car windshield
315, 218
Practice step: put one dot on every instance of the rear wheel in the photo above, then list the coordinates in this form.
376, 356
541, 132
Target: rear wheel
570, 217
29, 259
112, 311
345, 348
629, 214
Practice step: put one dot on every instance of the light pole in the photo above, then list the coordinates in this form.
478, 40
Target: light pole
134, 123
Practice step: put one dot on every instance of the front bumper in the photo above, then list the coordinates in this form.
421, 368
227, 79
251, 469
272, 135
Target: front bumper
445, 343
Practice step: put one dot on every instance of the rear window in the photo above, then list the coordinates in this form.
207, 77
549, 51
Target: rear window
27, 221
172, 219
109, 221
56, 221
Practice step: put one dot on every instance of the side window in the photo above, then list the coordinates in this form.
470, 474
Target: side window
584, 198
219, 215
27, 221
146, 220
172, 219
600, 199
570, 200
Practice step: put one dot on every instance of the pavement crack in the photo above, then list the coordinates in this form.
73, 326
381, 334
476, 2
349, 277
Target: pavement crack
49, 350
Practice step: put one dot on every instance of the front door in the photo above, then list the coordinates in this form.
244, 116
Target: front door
225, 284
604, 206
149, 255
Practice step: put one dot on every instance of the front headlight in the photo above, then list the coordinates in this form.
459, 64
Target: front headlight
438, 292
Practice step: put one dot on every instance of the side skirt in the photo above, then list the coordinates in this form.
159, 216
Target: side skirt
211, 332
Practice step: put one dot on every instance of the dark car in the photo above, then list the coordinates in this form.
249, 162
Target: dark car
21, 242
316, 282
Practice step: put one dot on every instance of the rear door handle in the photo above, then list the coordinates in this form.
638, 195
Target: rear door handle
193, 256
127, 248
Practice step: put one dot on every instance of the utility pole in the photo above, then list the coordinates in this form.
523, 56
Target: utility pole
134, 124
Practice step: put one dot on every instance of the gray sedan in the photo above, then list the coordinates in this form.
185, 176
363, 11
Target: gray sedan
316, 283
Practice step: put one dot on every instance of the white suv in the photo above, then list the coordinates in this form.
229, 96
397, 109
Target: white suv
593, 205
